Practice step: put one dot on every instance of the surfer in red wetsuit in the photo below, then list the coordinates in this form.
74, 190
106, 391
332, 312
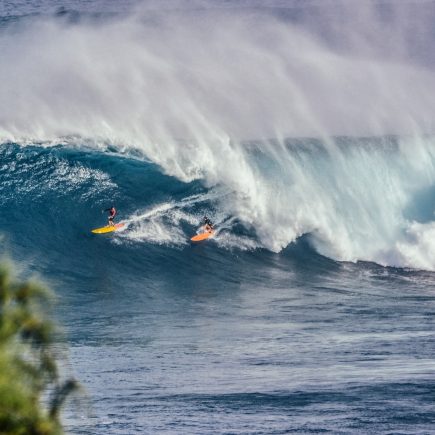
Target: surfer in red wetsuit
112, 214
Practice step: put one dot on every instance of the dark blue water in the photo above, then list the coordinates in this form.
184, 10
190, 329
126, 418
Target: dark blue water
180, 338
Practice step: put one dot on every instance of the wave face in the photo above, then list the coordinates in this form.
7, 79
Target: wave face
367, 199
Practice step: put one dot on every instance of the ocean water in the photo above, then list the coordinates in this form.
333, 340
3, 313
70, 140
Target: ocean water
312, 309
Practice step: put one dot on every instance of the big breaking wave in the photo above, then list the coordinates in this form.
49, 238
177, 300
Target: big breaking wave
190, 90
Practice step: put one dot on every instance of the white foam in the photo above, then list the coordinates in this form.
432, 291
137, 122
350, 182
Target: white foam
161, 223
416, 249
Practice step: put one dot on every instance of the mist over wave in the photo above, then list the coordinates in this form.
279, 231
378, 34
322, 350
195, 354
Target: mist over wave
213, 94
210, 75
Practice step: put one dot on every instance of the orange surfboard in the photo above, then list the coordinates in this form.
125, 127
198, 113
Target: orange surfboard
202, 236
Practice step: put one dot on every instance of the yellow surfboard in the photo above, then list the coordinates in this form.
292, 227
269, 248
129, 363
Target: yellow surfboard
108, 228
202, 236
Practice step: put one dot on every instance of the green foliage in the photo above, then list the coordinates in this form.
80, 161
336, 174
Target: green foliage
31, 393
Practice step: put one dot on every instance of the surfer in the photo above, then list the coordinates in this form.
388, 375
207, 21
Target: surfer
112, 214
208, 230
208, 224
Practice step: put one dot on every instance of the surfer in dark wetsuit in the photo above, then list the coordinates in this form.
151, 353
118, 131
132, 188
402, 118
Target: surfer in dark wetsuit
208, 224
112, 214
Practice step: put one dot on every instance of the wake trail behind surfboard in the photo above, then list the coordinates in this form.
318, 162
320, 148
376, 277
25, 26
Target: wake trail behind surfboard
164, 208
